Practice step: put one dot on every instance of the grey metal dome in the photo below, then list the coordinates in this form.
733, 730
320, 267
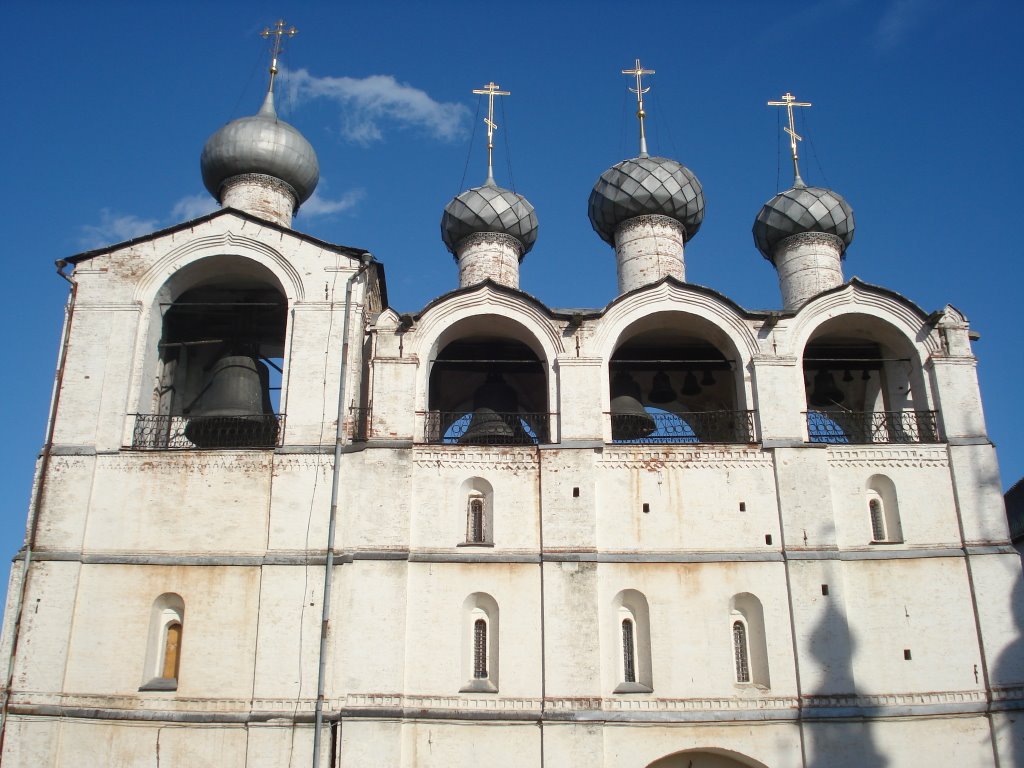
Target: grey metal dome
646, 186
489, 208
260, 144
802, 209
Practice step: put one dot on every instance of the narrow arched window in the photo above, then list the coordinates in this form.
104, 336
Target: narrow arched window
480, 649
476, 520
172, 650
877, 520
628, 652
741, 654
163, 651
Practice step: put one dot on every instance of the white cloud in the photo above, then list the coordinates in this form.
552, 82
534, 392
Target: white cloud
193, 206
371, 103
896, 21
114, 228
319, 206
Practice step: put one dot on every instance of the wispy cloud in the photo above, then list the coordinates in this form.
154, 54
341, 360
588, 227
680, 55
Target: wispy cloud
371, 104
320, 206
193, 206
896, 21
113, 228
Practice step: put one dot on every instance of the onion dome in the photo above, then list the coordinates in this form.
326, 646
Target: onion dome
645, 186
261, 144
803, 209
489, 208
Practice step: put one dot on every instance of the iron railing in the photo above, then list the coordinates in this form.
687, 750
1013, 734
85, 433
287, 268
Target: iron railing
684, 428
861, 427
360, 418
155, 432
485, 427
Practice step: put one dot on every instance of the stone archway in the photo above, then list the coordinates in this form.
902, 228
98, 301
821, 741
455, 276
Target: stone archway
705, 759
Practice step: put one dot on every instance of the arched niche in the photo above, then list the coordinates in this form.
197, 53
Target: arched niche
488, 384
706, 758
746, 610
215, 345
864, 383
480, 638
676, 377
883, 510
634, 672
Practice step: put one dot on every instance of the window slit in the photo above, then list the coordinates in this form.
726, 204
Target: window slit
877, 520
739, 643
628, 652
480, 649
476, 520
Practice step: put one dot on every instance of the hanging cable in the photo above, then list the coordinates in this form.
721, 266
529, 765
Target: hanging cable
810, 141
469, 151
508, 148
778, 150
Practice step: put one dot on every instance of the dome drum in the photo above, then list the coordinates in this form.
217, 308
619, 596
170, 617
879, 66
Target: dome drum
646, 186
261, 145
489, 209
799, 210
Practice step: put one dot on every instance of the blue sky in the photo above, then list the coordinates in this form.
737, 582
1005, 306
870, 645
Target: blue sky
916, 121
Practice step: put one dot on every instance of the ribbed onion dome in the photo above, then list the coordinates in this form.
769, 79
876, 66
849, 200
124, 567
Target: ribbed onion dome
489, 208
644, 186
802, 209
260, 144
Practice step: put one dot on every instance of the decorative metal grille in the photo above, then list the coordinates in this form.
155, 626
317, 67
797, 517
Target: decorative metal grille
739, 649
683, 428
154, 432
485, 427
628, 652
476, 521
877, 520
480, 649
860, 427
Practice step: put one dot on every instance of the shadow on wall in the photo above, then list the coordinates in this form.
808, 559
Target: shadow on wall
836, 743
1009, 671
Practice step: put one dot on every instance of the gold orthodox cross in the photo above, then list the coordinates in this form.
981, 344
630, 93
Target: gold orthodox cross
638, 72
279, 33
491, 90
789, 101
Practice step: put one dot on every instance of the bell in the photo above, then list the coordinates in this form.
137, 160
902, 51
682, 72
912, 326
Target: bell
629, 419
690, 385
487, 427
825, 391
847, 376
496, 395
661, 389
233, 407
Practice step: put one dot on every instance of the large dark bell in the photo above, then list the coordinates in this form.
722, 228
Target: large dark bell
661, 389
630, 421
825, 392
486, 427
496, 394
234, 408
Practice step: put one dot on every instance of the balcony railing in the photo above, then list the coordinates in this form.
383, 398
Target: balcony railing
485, 427
155, 432
684, 428
862, 427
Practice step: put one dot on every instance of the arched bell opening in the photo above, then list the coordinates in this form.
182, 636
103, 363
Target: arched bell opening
219, 360
863, 384
676, 379
487, 390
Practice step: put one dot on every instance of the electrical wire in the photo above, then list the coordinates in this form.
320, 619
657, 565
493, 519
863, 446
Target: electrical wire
810, 141
469, 149
508, 146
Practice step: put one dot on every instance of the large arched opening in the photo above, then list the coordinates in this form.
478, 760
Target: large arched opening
675, 377
488, 385
864, 384
706, 758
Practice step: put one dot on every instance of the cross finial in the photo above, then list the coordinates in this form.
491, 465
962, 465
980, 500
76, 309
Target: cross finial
490, 90
789, 101
638, 72
278, 33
